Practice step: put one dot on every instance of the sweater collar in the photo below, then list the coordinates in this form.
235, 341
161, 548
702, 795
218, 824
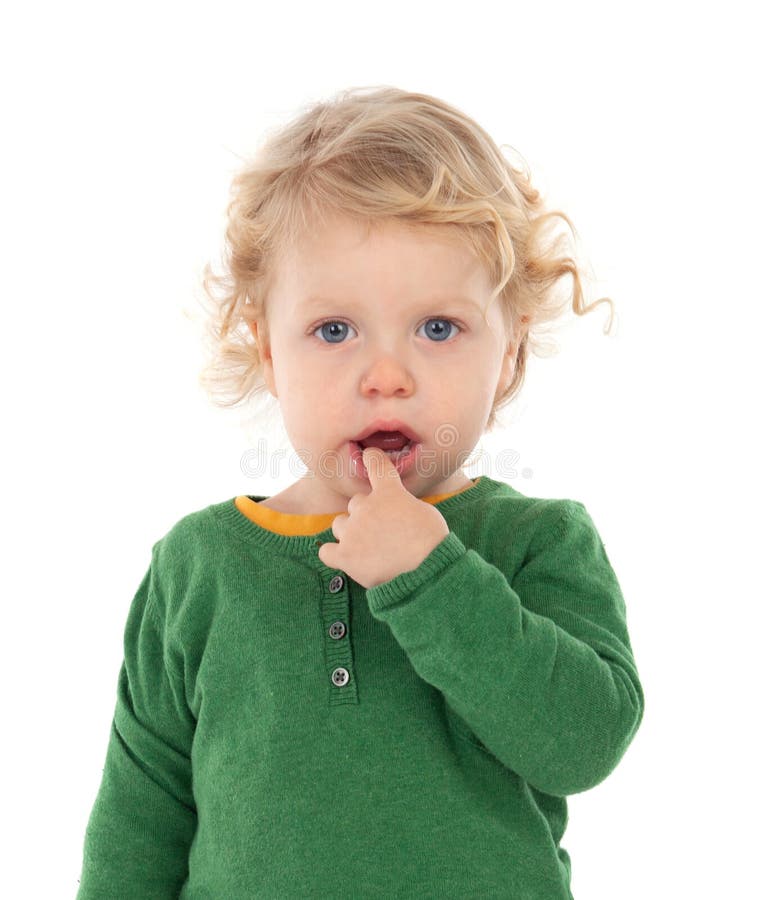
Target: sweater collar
303, 545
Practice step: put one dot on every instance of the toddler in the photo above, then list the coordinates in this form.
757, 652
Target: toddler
385, 680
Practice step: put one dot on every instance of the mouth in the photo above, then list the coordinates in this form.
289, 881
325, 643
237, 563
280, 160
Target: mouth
391, 433
393, 452
403, 459
394, 438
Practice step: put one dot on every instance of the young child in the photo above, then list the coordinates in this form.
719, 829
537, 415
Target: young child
385, 680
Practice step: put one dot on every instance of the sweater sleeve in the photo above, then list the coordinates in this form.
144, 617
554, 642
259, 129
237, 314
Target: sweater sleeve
143, 820
540, 670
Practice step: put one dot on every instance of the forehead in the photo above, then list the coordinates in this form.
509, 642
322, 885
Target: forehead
341, 244
346, 262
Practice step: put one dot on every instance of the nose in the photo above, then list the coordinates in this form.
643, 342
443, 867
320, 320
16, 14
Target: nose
387, 376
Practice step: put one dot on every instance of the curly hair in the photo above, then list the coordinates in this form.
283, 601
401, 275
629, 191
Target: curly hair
374, 155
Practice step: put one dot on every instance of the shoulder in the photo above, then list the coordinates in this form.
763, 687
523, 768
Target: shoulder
504, 503
186, 565
195, 536
507, 527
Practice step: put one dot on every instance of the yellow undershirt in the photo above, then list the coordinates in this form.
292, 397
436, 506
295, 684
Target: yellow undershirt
295, 524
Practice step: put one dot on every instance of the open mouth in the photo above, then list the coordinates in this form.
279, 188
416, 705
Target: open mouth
395, 444
392, 437
395, 447
402, 453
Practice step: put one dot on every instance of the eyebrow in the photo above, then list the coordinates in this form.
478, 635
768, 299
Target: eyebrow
435, 302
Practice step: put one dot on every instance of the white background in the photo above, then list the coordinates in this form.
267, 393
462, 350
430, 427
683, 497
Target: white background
646, 124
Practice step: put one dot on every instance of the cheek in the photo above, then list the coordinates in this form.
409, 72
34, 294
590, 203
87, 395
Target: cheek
471, 382
293, 383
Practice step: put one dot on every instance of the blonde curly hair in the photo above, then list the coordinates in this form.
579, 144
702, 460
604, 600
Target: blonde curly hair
374, 155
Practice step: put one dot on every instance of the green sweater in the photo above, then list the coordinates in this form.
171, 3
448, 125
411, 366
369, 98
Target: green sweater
281, 732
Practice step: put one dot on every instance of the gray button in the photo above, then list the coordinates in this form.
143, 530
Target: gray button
336, 583
337, 630
340, 677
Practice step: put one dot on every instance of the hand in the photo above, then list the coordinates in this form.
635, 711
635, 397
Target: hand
385, 532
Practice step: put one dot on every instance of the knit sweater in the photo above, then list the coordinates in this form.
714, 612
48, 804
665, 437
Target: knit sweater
282, 732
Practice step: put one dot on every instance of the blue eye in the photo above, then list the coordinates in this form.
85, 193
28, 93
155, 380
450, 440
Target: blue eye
335, 326
440, 332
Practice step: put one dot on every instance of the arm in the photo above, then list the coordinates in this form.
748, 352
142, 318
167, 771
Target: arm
541, 670
144, 818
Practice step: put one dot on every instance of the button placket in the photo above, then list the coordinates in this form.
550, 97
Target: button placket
338, 647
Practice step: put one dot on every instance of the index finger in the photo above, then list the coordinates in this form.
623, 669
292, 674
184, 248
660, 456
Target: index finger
379, 467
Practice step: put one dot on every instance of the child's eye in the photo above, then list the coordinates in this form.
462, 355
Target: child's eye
335, 327
440, 332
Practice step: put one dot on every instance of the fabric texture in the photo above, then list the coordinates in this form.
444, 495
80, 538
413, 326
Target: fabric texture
281, 732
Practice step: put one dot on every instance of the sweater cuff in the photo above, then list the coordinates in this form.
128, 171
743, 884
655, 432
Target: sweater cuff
399, 588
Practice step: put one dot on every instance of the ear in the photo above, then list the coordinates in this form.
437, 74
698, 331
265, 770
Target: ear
265, 358
507, 367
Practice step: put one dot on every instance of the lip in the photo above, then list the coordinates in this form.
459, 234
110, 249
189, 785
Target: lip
401, 465
388, 425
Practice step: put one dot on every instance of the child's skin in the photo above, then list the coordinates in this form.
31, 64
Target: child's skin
393, 361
